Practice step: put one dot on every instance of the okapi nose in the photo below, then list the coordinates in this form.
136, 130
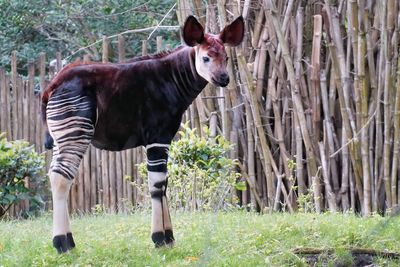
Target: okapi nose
224, 79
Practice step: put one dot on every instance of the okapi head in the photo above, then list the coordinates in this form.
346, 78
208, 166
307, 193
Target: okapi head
211, 57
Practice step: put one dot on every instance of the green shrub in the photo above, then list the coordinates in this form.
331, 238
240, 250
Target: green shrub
200, 174
20, 165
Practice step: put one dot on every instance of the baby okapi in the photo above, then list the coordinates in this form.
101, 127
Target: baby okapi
126, 105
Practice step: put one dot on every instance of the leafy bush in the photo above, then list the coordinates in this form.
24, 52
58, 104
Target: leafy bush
200, 174
20, 165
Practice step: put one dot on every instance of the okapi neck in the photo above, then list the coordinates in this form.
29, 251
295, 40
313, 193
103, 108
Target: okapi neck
188, 82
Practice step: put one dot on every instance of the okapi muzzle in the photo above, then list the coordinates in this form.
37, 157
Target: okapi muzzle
120, 106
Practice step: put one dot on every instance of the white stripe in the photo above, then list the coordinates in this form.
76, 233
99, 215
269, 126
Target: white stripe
156, 160
157, 145
62, 102
155, 164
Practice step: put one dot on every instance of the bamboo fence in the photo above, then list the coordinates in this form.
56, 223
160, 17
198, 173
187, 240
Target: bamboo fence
313, 108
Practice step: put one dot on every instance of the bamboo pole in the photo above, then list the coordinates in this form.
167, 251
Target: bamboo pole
297, 131
396, 139
315, 75
385, 72
363, 110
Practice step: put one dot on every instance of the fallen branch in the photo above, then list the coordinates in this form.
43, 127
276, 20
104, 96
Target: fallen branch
354, 251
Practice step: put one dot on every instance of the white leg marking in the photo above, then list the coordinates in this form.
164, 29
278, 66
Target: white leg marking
60, 188
157, 145
167, 217
157, 224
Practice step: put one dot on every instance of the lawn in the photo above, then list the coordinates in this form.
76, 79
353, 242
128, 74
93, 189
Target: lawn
202, 239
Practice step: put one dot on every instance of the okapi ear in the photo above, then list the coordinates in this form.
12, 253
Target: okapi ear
233, 33
193, 32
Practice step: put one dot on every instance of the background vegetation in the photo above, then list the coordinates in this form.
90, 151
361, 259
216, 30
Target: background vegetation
22, 177
200, 173
32, 27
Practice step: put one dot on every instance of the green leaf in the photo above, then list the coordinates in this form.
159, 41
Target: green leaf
241, 186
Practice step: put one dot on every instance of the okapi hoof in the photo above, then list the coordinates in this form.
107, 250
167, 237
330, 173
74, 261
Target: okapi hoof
169, 238
70, 240
63, 243
158, 239
60, 242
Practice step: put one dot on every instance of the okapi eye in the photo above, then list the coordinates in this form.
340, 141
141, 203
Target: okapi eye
206, 59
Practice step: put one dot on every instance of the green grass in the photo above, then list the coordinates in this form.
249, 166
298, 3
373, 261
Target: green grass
203, 239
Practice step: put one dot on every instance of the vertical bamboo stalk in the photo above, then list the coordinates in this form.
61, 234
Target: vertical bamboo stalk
297, 131
250, 154
396, 137
385, 72
345, 186
315, 74
364, 95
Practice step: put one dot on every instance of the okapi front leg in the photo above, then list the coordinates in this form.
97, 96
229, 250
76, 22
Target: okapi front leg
161, 228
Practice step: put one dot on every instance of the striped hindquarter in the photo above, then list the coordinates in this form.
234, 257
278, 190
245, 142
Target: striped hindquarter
161, 226
70, 120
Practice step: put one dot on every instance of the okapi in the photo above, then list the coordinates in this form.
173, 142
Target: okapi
125, 105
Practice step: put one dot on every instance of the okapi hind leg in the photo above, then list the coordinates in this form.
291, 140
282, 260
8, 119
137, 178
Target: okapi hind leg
60, 187
71, 116
60, 241
161, 227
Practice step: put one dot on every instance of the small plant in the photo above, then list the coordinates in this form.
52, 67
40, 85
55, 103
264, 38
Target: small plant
306, 202
21, 166
200, 174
